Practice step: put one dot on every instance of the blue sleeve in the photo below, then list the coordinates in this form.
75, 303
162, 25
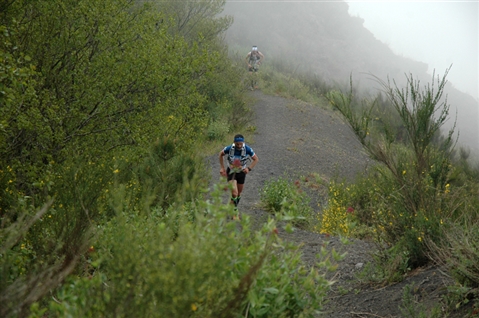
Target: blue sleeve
249, 151
227, 149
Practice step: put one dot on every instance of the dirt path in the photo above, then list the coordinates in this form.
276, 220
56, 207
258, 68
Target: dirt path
293, 139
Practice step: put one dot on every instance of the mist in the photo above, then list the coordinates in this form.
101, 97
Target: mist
440, 34
334, 41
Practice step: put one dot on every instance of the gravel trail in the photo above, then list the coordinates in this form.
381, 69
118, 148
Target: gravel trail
294, 139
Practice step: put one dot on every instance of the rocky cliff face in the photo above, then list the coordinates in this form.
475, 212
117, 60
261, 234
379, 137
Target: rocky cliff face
322, 38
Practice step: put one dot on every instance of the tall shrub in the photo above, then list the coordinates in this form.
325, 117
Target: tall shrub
85, 84
415, 169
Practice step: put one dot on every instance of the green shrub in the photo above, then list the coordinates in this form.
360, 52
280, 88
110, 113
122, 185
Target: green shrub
139, 266
458, 250
287, 200
410, 187
283, 298
274, 193
410, 308
217, 130
47, 242
78, 117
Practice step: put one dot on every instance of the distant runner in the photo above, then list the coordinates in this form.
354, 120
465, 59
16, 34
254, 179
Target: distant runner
254, 60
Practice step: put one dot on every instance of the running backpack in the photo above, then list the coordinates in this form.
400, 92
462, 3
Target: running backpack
231, 154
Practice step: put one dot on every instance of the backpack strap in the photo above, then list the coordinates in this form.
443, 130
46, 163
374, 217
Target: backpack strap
231, 154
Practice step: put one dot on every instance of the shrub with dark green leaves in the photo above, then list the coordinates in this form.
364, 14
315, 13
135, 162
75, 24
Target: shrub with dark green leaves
139, 266
217, 130
275, 292
288, 201
83, 96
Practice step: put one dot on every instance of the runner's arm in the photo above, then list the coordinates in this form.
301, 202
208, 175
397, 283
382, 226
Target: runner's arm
222, 164
247, 59
261, 57
255, 160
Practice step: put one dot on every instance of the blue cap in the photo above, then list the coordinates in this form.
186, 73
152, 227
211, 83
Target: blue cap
239, 139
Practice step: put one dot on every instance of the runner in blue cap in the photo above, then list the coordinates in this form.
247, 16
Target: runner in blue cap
238, 156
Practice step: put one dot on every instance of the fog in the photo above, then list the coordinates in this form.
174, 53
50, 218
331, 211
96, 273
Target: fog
336, 40
436, 33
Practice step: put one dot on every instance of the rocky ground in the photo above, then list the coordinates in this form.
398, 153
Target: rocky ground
296, 139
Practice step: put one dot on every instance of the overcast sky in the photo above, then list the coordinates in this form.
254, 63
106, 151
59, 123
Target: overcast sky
438, 33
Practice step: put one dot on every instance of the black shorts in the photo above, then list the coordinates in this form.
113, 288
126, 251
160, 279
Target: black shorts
239, 176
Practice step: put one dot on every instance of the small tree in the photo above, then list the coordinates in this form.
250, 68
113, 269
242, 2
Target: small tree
197, 17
